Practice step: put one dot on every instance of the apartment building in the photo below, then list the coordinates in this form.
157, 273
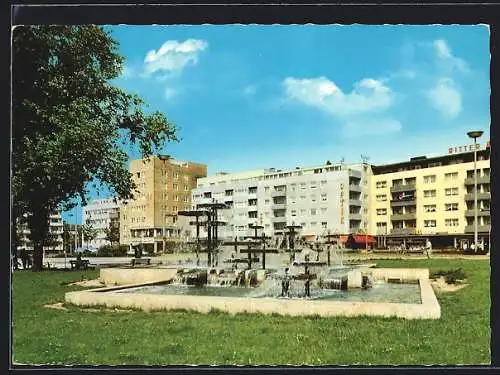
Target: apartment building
150, 220
321, 198
431, 197
55, 231
101, 214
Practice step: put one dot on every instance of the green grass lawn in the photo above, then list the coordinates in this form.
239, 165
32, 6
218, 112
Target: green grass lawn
75, 336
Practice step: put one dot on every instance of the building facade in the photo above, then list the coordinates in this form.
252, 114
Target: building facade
101, 214
432, 197
323, 198
55, 234
150, 220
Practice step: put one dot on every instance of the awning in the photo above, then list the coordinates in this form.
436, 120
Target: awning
359, 238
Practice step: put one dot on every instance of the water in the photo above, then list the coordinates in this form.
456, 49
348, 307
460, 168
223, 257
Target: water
380, 292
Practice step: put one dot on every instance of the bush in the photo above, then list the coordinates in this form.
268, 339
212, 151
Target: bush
112, 251
450, 276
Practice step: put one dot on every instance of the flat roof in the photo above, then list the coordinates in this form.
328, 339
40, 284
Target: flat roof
425, 162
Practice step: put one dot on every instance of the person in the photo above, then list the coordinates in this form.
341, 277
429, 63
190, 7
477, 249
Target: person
24, 257
428, 249
308, 287
473, 247
285, 284
465, 247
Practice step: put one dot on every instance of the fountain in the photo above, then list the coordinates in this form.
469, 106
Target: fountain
303, 285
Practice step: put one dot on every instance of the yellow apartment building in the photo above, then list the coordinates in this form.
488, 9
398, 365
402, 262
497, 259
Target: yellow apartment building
431, 198
164, 184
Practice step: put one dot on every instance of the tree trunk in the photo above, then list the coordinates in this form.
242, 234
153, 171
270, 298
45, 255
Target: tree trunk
38, 223
14, 243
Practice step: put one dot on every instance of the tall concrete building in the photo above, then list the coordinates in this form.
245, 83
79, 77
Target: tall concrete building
321, 198
101, 214
432, 198
55, 231
164, 184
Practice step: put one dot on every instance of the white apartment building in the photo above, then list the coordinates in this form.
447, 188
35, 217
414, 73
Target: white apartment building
321, 198
100, 214
55, 230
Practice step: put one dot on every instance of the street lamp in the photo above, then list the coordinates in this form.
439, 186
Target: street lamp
475, 134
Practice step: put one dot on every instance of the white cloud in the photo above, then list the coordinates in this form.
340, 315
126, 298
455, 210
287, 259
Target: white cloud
169, 93
446, 98
444, 54
173, 56
355, 109
368, 95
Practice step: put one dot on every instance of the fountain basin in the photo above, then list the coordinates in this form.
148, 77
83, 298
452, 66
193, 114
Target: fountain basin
126, 297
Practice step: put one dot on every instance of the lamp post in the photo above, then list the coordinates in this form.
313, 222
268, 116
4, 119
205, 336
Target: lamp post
475, 134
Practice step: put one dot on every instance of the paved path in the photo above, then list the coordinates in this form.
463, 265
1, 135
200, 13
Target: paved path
184, 257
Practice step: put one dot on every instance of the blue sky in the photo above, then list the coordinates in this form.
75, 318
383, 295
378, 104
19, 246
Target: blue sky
249, 97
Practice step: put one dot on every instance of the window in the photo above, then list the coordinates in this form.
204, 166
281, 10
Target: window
303, 212
323, 197
381, 184
266, 189
429, 193
176, 175
186, 188
323, 182
186, 199
176, 197
451, 191
451, 176
313, 198
302, 185
430, 208
381, 211
324, 224
175, 186
429, 223
266, 201
430, 179
302, 197
323, 210
381, 198
313, 211
451, 207
294, 212
313, 223
451, 222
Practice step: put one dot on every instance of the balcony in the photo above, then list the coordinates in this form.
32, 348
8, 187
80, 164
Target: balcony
480, 196
400, 203
275, 193
278, 219
354, 187
480, 228
480, 180
403, 231
407, 216
278, 206
355, 217
354, 202
402, 188
470, 213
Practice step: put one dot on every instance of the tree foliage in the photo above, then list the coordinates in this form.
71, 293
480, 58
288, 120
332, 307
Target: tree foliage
70, 122
112, 233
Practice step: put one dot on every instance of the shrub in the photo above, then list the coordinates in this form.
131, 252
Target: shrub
112, 251
450, 276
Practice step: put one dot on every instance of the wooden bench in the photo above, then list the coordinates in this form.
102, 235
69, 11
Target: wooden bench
137, 261
80, 265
